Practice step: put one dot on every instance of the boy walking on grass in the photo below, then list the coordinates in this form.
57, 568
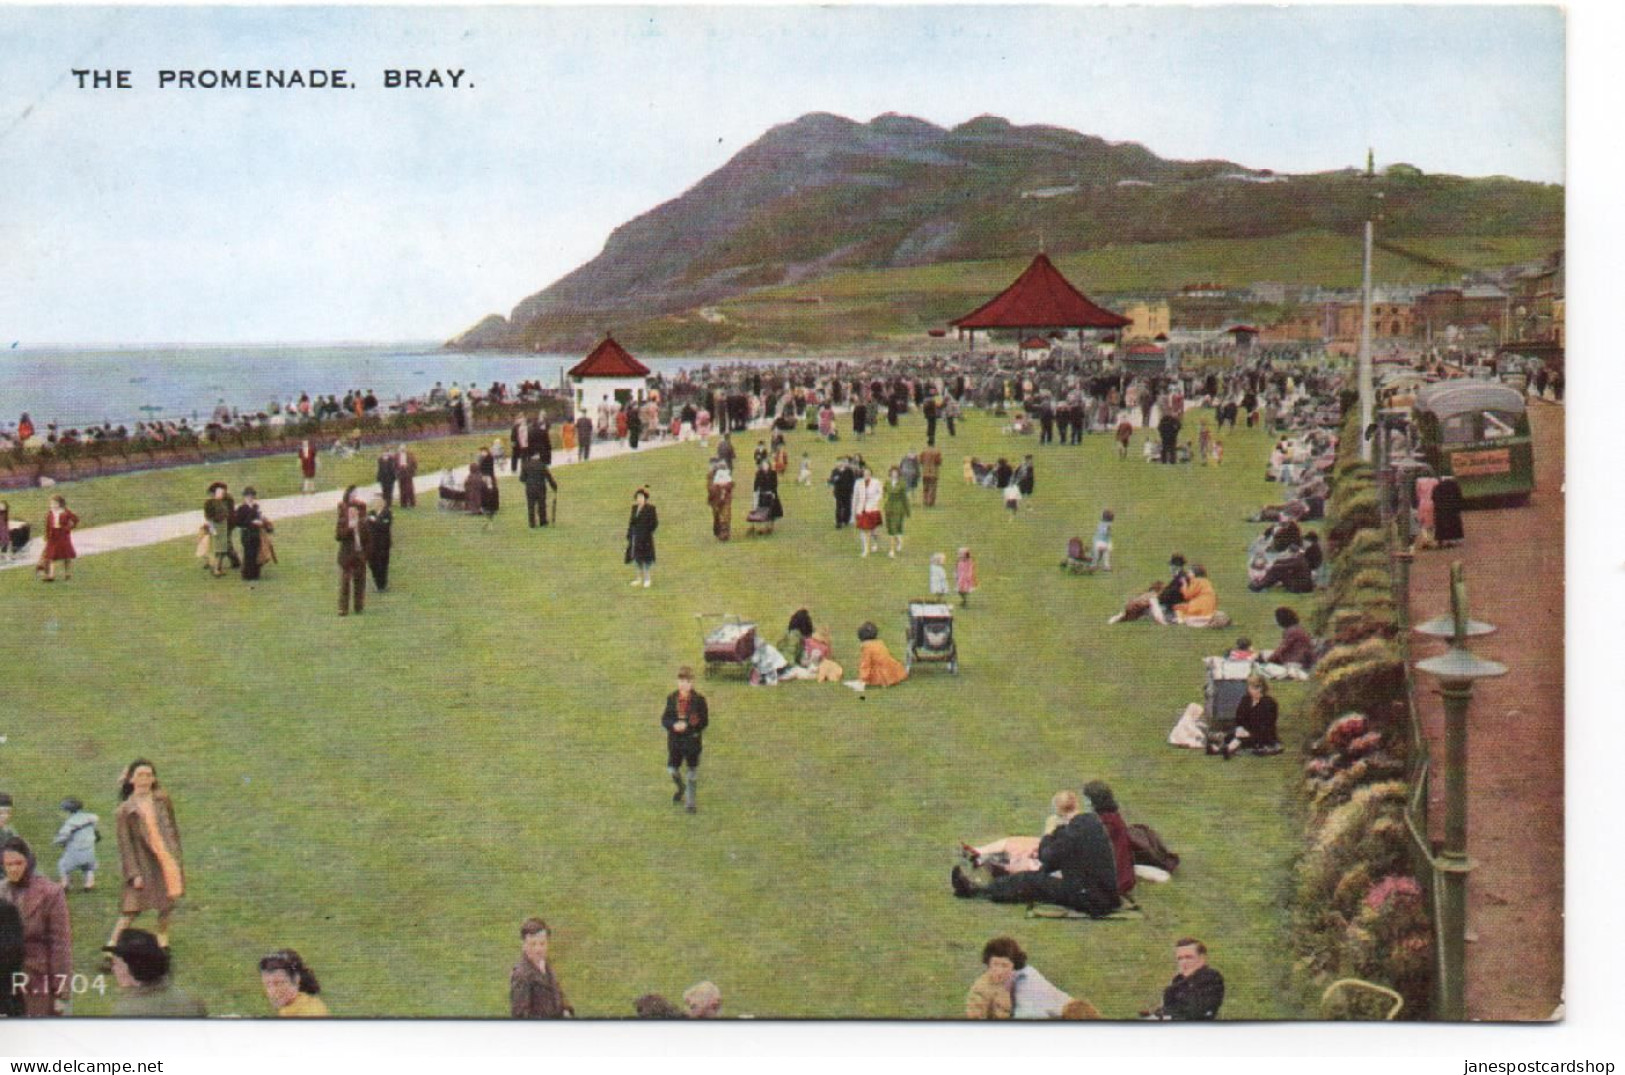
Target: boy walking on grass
685, 719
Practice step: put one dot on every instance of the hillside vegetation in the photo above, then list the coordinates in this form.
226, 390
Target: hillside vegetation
821, 198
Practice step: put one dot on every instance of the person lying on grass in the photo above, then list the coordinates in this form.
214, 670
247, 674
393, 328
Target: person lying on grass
1019, 854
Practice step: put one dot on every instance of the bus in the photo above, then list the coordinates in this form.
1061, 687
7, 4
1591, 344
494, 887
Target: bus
1477, 431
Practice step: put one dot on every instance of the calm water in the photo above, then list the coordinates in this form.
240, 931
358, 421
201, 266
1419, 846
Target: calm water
81, 387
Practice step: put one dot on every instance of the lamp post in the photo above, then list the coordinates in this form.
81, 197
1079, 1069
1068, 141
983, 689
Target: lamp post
1457, 670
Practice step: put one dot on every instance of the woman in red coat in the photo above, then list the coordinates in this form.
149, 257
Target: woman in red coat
59, 525
1104, 803
47, 937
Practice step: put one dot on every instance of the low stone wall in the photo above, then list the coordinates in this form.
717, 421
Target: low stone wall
23, 468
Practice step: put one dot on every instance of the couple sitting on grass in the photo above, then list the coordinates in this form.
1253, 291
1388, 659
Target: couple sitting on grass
1188, 599
1083, 862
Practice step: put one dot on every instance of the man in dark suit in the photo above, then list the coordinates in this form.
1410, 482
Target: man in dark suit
583, 438
406, 471
842, 481
355, 548
1197, 990
522, 443
536, 477
387, 470
541, 439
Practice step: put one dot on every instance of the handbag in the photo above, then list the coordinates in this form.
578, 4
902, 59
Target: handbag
267, 551
203, 543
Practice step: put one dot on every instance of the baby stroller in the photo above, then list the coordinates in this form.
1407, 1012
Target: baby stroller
759, 521
1226, 686
931, 635
1078, 561
731, 642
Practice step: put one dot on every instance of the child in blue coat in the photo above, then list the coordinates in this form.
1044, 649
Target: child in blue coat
77, 836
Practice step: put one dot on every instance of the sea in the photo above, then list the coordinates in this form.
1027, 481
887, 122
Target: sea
79, 387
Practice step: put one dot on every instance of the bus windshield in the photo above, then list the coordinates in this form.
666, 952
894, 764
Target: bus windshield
1498, 424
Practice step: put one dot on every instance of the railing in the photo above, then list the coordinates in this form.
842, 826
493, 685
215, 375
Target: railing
1395, 502
90, 458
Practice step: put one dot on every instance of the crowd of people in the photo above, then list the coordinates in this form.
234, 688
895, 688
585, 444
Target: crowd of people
1085, 860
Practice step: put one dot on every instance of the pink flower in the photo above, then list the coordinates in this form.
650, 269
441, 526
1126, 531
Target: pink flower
1345, 730
1365, 744
1394, 886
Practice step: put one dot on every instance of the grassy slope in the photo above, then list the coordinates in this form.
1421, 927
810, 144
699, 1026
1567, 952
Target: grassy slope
399, 790
865, 305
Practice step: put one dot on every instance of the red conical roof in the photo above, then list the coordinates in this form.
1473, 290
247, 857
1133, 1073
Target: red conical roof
1041, 298
609, 359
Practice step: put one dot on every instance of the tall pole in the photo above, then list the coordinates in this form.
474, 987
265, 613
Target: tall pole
1367, 390
1456, 670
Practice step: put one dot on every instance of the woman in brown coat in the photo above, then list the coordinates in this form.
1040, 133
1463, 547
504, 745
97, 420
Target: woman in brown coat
149, 850
47, 939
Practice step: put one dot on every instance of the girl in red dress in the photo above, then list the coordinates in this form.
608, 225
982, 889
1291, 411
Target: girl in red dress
59, 524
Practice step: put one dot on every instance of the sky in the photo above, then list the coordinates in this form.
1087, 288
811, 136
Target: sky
160, 215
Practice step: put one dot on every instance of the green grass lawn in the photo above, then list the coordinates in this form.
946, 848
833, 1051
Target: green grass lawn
393, 794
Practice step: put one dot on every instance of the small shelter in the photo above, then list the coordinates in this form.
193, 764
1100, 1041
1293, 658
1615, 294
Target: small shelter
608, 375
1040, 299
1244, 335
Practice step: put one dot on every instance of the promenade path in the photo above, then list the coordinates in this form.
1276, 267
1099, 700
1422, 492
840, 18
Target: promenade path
135, 533
1514, 563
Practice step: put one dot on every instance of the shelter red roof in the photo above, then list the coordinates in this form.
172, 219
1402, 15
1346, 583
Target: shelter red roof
1243, 328
609, 359
1041, 298
1035, 343
1144, 349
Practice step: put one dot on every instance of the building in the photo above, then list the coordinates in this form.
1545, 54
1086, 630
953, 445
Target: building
1482, 306
1535, 296
607, 375
1148, 319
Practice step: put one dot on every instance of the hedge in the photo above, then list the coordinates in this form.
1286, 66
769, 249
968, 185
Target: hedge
1357, 911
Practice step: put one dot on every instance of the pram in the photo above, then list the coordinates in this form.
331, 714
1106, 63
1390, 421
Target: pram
931, 635
20, 533
1226, 686
759, 521
1078, 561
732, 641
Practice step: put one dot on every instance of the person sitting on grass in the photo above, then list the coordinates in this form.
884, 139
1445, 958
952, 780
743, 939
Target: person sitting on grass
1296, 647
703, 1001
1141, 605
1290, 570
1104, 804
291, 987
1256, 718
1077, 870
993, 994
1196, 992
1010, 988
876, 666
1019, 854
795, 638
1200, 602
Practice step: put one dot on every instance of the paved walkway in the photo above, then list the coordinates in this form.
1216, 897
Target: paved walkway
135, 533
1514, 563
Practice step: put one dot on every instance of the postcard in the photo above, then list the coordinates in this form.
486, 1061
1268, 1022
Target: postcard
784, 513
